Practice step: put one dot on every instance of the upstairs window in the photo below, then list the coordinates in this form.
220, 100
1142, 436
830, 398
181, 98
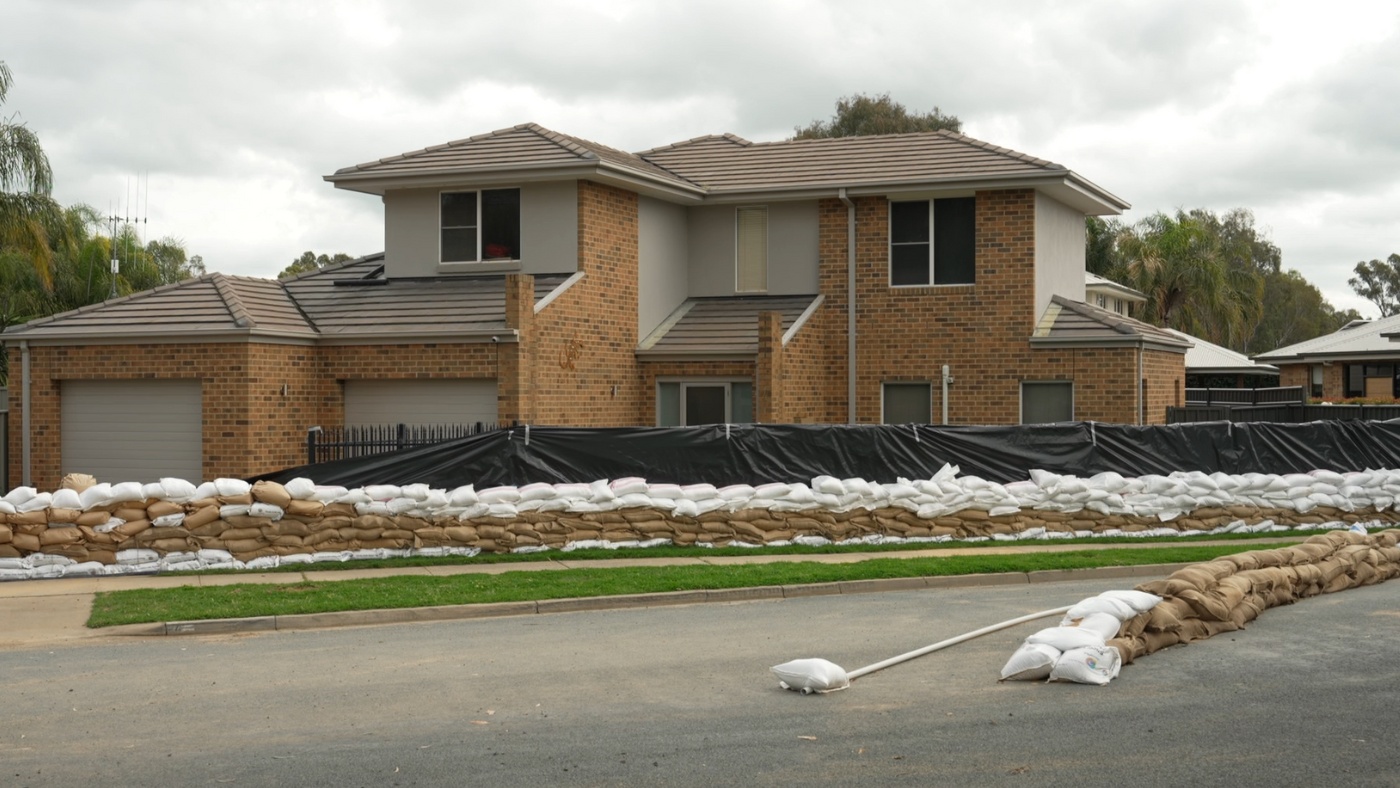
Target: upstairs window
751, 251
932, 242
480, 226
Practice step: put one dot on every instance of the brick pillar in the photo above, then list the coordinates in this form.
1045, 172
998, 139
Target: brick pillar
514, 367
768, 370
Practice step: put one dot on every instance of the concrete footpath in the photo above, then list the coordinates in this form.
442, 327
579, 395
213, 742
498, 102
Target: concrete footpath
36, 612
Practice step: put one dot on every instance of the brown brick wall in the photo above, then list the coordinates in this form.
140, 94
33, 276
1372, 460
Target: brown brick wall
813, 380
981, 330
1166, 383
1301, 375
583, 368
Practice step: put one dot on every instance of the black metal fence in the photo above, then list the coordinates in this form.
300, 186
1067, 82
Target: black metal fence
337, 443
1239, 397
1282, 413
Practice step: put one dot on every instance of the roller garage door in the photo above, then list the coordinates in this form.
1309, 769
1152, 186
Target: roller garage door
132, 430
420, 402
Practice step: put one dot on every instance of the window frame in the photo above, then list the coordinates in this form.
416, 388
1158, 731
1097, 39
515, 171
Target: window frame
932, 242
479, 228
1072, 402
739, 247
885, 386
685, 383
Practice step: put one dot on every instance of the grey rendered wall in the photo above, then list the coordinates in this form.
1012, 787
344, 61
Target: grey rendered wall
1059, 252
548, 232
792, 249
661, 252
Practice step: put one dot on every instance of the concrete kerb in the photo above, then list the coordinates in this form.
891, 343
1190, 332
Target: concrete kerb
351, 618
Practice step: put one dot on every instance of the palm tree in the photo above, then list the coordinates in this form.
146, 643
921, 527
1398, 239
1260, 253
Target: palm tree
1178, 263
29, 217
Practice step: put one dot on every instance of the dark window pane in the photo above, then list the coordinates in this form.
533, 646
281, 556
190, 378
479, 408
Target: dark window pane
459, 210
1355, 380
954, 241
740, 403
668, 405
459, 245
1043, 403
704, 405
909, 264
908, 222
908, 403
500, 224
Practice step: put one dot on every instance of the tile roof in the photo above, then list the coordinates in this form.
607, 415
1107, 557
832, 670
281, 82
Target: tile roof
213, 303
726, 164
1360, 338
1207, 357
720, 326
352, 300
1076, 323
729, 163
528, 145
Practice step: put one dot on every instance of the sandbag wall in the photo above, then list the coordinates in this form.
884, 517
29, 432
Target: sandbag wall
1224, 595
91, 528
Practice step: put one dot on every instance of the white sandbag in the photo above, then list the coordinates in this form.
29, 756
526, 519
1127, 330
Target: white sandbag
1101, 624
628, 485
212, 556
66, 499
671, 491
332, 493
495, 495
811, 675
44, 559
858, 486
7, 508
15, 563
505, 511
699, 492
269, 510
382, 492
1140, 601
1030, 662
417, 491
230, 488
946, 472
1102, 604
153, 490
601, 491
771, 491
539, 491
38, 503
300, 488
294, 558
462, 496
326, 556
687, 508
206, 490
380, 508
19, 495
1066, 638
177, 490
435, 499
735, 492
137, 555
634, 501
398, 506
828, 484
96, 495
111, 525
169, 520
234, 509
1088, 665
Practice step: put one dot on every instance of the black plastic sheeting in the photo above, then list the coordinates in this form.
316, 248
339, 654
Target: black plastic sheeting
753, 454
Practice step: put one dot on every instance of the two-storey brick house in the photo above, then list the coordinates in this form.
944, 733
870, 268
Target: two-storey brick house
536, 277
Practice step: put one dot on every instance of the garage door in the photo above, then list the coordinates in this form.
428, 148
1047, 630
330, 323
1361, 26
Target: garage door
420, 402
132, 430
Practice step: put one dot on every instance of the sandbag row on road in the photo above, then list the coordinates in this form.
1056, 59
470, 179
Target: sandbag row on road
1224, 595
86, 527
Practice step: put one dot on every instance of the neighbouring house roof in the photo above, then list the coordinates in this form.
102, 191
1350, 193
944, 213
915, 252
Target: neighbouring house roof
1068, 323
1359, 339
1093, 283
1208, 358
352, 301
727, 327
729, 167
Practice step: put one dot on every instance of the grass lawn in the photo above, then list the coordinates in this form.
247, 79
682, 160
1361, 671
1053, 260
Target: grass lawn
239, 601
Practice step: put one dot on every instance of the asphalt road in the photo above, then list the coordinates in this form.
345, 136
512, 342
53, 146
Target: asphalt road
1308, 695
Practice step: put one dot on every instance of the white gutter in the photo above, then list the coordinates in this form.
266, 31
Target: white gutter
26, 477
850, 306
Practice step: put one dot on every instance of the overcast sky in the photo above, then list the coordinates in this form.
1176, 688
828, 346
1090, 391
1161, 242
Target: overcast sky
229, 113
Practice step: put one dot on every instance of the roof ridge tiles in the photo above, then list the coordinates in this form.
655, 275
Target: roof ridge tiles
728, 136
223, 285
531, 126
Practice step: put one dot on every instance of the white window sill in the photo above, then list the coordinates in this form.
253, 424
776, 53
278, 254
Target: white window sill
487, 267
